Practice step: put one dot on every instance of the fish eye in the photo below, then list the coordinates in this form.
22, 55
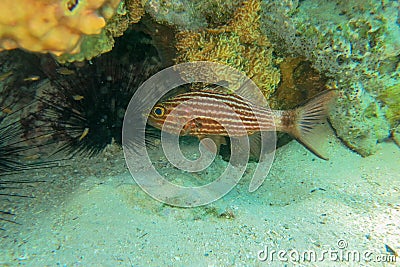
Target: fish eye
158, 111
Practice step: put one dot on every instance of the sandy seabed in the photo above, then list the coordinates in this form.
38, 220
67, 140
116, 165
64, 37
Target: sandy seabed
92, 213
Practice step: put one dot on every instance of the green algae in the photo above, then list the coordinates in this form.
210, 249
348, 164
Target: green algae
391, 98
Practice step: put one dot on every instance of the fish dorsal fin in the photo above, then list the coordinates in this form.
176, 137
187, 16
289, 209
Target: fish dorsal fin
249, 90
221, 87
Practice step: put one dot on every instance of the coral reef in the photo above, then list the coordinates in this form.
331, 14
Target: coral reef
57, 27
128, 12
299, 81
356, 44
135, 9
191, 14
239, 44
162, 37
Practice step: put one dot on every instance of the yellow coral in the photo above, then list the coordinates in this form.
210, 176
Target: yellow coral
240, 44
246, 22
136, 10
55, 26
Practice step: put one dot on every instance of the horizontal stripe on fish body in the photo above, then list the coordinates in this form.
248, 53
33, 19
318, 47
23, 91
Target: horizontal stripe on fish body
211, 111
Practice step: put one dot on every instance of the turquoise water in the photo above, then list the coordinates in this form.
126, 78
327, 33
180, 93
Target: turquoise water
85, 182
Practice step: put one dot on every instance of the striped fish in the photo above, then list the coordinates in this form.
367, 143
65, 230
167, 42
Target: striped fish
216, 115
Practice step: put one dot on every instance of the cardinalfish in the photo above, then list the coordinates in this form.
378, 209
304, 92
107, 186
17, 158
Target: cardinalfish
212, 110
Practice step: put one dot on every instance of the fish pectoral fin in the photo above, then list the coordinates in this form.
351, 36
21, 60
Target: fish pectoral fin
212, 142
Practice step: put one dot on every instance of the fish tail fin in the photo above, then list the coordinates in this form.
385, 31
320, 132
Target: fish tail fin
310, 125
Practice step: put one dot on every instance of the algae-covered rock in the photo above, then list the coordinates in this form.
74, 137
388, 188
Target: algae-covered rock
55, 27
91, 46
360, 122
391, 98
357, 45
128, 12
191, 14
396, 135
239, 44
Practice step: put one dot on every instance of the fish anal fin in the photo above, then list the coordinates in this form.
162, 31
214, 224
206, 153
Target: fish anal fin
212, 142
255, 145
262, 143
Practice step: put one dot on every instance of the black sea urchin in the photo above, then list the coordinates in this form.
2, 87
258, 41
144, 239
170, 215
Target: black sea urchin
16, 153
11, 190
14, 149
86, 106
